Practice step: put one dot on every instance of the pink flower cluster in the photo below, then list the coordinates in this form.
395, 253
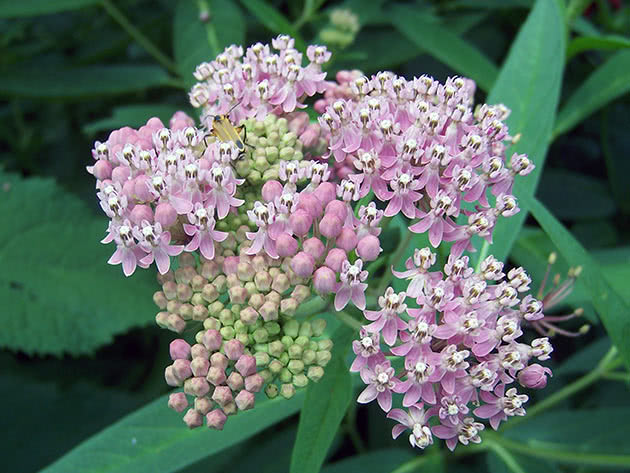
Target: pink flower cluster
152, 178
258, 82
418, 146
458, 349
317, 230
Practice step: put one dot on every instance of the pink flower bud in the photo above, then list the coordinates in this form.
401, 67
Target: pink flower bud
238, 295
324, 280
235, 381
199, 366
219, 360
369, 248
310, 136
171, 378
199, 351
181, 369
129, 189
154, 123
249, 315
335, 258
233, 349
212, 339
222, 395
165, 214
314, 247
269, 311
203, 405
197, 386
102, 169
347, 239
325, 192
300, 222
303, 264
244, 400
301, 293
121, 174
338, 208
280, 283
254, 383
179, 349
330, 225
245, 271
193, 419
246, 365
216, 419
230, 265
216, 375
311, 204
140, 213
271, 190
178, 402
141, 188
179, 121
534, 376
286, 245
298, 121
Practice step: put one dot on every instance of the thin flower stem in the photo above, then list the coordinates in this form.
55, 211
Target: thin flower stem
414, 464
307, 13
387, 277
351, 429
607, 363
554, 452
482, 255
211, 32
119, 17
505, 456
312, 307
617, 376
348, 320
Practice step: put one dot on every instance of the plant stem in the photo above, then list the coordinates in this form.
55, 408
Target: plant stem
413, 464
387, 277
119, 17
606, 363
351, 429
617, 376
576, 8
505, 456
348, 320
482, 255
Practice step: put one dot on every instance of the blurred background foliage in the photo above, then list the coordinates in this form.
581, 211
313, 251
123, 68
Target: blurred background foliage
79, 349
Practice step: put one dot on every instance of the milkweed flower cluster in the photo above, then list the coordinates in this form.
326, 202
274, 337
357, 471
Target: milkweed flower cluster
260, 224
460, 348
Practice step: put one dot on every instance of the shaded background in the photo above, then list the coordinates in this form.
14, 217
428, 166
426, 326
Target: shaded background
79, 349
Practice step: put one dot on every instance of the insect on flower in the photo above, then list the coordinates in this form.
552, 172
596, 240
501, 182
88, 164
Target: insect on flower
224, 130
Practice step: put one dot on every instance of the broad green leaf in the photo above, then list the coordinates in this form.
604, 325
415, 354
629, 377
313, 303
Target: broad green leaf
584, 360
15, 9
154, 439
598, 43
131, 115
80, 82
613, 310
324, 408
608, 82
444, 45
615, 145
490, 4
59, 294
195, 42
385, 460
529, 84
274, 20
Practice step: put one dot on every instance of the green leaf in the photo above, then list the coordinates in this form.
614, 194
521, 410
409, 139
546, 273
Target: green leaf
59, 293
384, 460
597, 43
80, 82
195, 42
498, 464
274, 20
154, 439
608, 82
613, 310
529, 83
444, 45
324, 408
15, 9
131, 115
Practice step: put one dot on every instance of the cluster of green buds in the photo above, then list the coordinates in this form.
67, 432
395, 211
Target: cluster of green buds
242, 310
342, 29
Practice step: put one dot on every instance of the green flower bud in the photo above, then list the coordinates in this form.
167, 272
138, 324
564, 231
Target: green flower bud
275, 366
312, 345
306, 330
288, 306
235, 309
318, 326
287, 341
295, 351
226, 317
325, 344
185, 311
276, 348
173, 306
271, 390
285, 376
256, 300
296, 366
315, 373
284, 358
309, 357
300, 380
211, 324
286, 153
323, 357
228, 333
272, 154
255, 177
209, 293
197, 299
261, 335
220, 282
251, 288
287, 391
273, 328
270, 174
291, 328
262, 358
240, 327
267, 375
302, 341
243, 338
243, 167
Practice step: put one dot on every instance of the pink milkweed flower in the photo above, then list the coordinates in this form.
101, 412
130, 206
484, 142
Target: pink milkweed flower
222, 189
417, 421
156, 243
419, 382
370, 166
435, 220
369, 219
403, 196
499, 407
387, 319
202, 231
367, 349
381, 382
264, 216
418, 271
127, 251
351, 285
450, 364
465, 431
